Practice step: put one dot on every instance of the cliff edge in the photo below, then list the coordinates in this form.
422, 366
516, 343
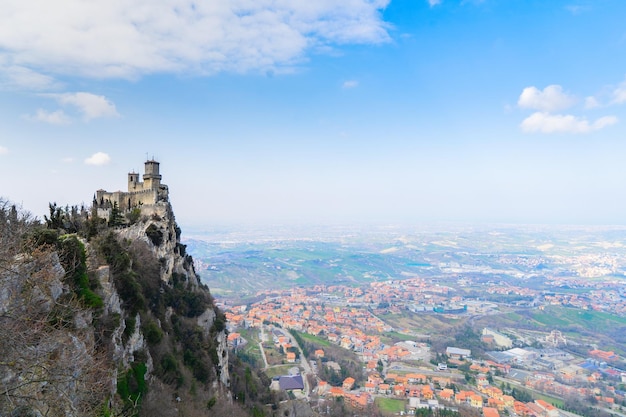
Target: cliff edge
102, 313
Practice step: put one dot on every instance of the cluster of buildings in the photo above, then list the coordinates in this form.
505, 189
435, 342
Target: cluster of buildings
507, 289
350, 327
429, 391
609, 300
555, 372
348, 317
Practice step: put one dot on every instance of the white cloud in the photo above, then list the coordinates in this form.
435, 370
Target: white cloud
57, 117
98, 158
68, 160
591, 102
552, 98
91, 106
3, 150
605, 121
14, 76
350, 84
619, 94
556, 123
127, 39
433, 3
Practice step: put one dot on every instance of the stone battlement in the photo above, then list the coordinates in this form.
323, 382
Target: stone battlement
140, 194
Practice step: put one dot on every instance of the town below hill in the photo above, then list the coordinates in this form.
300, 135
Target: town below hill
473, 322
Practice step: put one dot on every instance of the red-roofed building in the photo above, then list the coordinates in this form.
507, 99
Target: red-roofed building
348, 383
427, 392
490, 412
534, 410
415, 391
384, 389
605, 356
416, 378
374, 379
495, 403
476, 401
446, 394
548, 409
234, 339
358, 401
509, 401
520, 408
462, 397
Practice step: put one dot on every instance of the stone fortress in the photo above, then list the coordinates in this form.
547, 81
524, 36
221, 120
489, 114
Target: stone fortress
145, 195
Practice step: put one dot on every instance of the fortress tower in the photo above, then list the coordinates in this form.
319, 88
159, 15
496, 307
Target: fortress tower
143, 195
133, 182
151, 178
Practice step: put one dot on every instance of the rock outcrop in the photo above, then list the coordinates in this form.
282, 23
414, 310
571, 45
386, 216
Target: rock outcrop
91, 320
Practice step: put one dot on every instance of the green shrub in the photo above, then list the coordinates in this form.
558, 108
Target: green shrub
169, 363
45, 237
73, 258
154, 234
131, 387
134, 215
201, 372
115, 216
211, 403
130, 327
220, 321
130, 292
186, 302
113, 253
152, 332
169, 371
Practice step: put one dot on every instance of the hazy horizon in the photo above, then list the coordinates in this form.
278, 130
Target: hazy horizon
372, 112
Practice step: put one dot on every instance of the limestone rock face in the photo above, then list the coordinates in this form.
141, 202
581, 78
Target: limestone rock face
205, 321
110, 297
45, 275
47, 344
222, 351
136, 343
159, 231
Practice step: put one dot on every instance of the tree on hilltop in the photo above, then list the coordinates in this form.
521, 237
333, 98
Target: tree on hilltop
115, 217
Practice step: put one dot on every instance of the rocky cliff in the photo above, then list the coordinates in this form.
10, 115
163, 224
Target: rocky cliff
101, 319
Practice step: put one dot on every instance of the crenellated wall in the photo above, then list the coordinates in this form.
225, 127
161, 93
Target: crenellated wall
143, 195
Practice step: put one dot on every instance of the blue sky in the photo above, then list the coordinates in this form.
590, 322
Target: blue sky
276, 111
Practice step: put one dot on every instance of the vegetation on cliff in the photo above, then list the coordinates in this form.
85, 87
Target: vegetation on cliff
49, 363
72, 347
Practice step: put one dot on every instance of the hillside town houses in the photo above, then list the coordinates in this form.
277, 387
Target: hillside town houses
348, 317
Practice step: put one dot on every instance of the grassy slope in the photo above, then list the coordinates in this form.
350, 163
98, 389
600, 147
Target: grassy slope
390, 405
553, 316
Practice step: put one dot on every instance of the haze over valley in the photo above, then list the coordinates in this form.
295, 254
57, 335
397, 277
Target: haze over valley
313, 208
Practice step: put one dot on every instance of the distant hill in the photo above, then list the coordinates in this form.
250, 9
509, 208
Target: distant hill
243, 269
238, 264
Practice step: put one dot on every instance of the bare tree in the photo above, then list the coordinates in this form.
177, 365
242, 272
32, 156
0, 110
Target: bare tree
48, 361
